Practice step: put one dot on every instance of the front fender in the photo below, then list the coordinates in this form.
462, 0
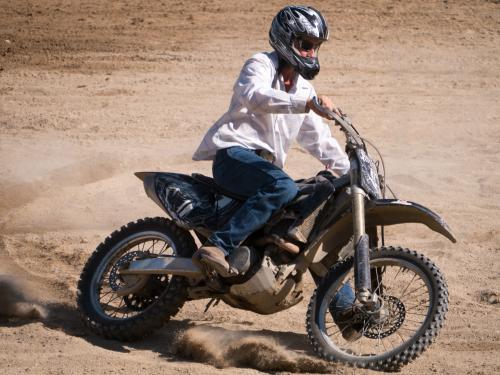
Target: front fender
323, 252
396, 211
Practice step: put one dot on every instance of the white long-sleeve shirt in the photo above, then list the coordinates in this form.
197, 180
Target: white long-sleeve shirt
262, 115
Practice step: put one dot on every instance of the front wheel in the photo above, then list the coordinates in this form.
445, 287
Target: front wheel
413, 301
107, 307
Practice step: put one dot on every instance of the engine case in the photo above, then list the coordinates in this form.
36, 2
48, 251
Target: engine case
266, 292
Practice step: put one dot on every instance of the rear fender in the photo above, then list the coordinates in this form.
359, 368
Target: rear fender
324, 252
149, 179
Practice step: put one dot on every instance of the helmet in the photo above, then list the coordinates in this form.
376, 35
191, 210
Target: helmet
290, 26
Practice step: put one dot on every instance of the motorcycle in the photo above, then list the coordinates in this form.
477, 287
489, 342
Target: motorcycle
375, 306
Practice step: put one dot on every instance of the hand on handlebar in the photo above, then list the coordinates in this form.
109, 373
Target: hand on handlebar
325, 102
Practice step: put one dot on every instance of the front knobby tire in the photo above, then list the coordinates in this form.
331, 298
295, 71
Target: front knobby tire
415, 294
133, 317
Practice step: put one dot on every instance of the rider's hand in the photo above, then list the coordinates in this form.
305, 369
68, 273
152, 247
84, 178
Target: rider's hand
326, 102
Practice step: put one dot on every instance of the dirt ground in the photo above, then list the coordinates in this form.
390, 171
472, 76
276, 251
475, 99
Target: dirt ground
92, 91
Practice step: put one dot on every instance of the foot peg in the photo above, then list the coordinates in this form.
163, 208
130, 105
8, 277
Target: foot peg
280, 242
236, 263
295, 234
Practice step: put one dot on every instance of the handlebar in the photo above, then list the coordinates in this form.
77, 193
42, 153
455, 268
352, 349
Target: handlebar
325, 111
342, 121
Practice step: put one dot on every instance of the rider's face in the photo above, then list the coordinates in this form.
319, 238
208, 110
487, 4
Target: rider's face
307, 47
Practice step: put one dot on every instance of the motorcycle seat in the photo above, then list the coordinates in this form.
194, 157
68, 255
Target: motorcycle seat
210, 182
303, 188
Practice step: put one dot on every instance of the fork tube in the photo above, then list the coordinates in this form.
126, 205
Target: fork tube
361, 246
358, 201
358, 208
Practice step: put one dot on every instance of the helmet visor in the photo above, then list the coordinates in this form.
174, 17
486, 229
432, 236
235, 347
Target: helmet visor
305, 45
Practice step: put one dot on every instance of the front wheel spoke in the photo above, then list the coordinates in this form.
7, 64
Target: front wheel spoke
426, 292
341, 330
365, 327
414, 313
408, 329
390, 339
381, 340
407, 286
414, 321
397, 273
379, 281
411, 326
377, 350
335, 333
420, 306
401, 337
382, 270
414, 290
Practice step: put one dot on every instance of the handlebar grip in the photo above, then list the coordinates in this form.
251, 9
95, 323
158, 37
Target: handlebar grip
329, 114
342, 121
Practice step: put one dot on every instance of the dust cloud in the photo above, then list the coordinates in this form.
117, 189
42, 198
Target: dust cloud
223, 348
15, 300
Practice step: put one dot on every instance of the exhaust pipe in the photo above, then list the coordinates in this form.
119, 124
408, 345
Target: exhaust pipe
163, 266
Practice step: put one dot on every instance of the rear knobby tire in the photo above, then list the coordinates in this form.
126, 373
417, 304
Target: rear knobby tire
167, 302
331, 347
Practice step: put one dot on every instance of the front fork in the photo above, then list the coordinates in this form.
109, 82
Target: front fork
362, 275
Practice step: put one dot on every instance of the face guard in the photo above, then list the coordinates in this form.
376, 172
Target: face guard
295, 29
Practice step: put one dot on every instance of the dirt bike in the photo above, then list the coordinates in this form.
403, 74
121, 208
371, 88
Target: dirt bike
394, 299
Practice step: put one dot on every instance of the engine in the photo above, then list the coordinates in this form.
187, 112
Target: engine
272, 288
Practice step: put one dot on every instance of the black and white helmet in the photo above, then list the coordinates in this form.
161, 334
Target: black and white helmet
292, 26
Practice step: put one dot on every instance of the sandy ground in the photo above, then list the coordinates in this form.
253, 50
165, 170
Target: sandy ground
91, 91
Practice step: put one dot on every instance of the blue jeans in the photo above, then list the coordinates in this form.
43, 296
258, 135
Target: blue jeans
266, 186
268, 189
343, 300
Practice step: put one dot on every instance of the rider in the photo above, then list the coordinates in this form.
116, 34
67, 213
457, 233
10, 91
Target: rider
270, 108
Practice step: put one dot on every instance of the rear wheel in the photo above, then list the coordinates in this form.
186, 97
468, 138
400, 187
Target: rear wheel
106, 306
413, 303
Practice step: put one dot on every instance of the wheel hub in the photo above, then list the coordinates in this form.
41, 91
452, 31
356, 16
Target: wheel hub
387, 319
125, 284
155, 285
